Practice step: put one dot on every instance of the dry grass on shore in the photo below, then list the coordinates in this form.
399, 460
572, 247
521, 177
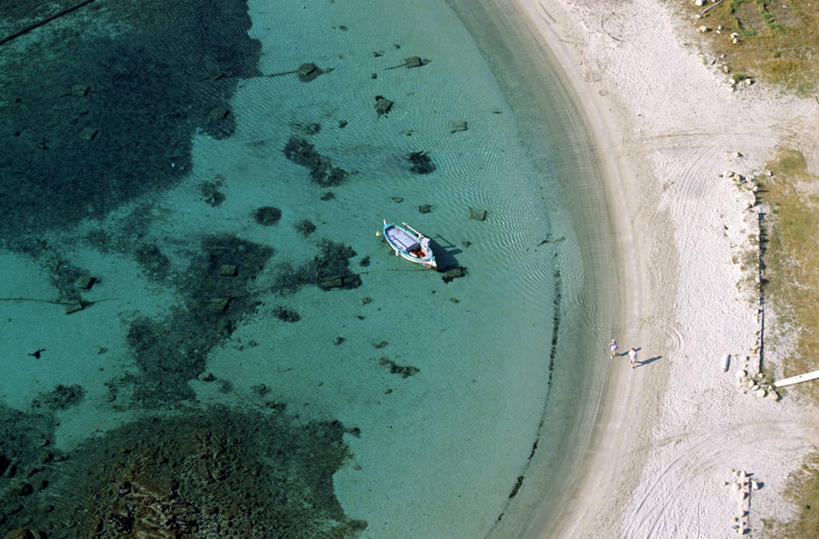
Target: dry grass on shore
792, 288
777, 42
803, 491
792, 258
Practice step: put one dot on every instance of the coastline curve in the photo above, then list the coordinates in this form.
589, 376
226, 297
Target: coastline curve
582, 428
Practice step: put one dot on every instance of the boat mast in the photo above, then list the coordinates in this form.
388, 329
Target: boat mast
406, 225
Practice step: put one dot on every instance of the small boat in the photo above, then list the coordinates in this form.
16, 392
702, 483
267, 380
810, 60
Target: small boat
409, 244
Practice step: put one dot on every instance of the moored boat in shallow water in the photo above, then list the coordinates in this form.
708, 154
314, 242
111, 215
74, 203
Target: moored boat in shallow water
409, 244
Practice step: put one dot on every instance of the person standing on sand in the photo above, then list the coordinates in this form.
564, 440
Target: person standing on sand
632, 356
613, 348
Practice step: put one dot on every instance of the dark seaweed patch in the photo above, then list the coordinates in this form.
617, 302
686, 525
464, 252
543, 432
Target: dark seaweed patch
305, 227
402, 370
421, 163
516, 488
555, 324
211, 194
27, 464
286, 315
155, 264
321, 168
328, 269
60, 398
267, 215
172, 350
64, 277
92, 121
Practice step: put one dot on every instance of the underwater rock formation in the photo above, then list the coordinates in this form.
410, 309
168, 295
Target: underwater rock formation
321, 168
211, 473
60, 398
328, 269
172, 350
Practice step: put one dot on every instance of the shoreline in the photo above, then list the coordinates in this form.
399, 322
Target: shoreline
566, 461
655, 446
607, 467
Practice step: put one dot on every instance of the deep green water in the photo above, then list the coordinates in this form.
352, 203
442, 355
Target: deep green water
248, 350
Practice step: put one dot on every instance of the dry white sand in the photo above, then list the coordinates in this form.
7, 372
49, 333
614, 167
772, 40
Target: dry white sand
666, 125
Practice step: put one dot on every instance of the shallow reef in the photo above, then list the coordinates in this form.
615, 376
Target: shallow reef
322, 171
216, 288
212, 473
330, 268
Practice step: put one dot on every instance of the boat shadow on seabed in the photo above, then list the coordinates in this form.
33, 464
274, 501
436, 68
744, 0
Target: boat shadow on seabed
445, 256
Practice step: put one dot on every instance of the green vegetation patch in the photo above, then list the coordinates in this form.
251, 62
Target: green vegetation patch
778, 42
792, 258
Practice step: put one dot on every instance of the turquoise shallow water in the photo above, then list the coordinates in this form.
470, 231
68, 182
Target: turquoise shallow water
432, 391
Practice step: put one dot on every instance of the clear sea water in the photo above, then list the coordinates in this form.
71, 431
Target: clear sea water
435, 453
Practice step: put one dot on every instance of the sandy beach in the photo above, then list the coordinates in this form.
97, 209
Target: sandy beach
662, 440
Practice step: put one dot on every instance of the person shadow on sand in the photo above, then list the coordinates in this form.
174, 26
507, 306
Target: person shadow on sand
632, 354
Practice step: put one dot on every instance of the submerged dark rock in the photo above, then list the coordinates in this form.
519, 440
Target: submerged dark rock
382, 105
308, 72
478, 214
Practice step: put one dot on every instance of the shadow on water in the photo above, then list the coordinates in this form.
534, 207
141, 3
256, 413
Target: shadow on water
445, 253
